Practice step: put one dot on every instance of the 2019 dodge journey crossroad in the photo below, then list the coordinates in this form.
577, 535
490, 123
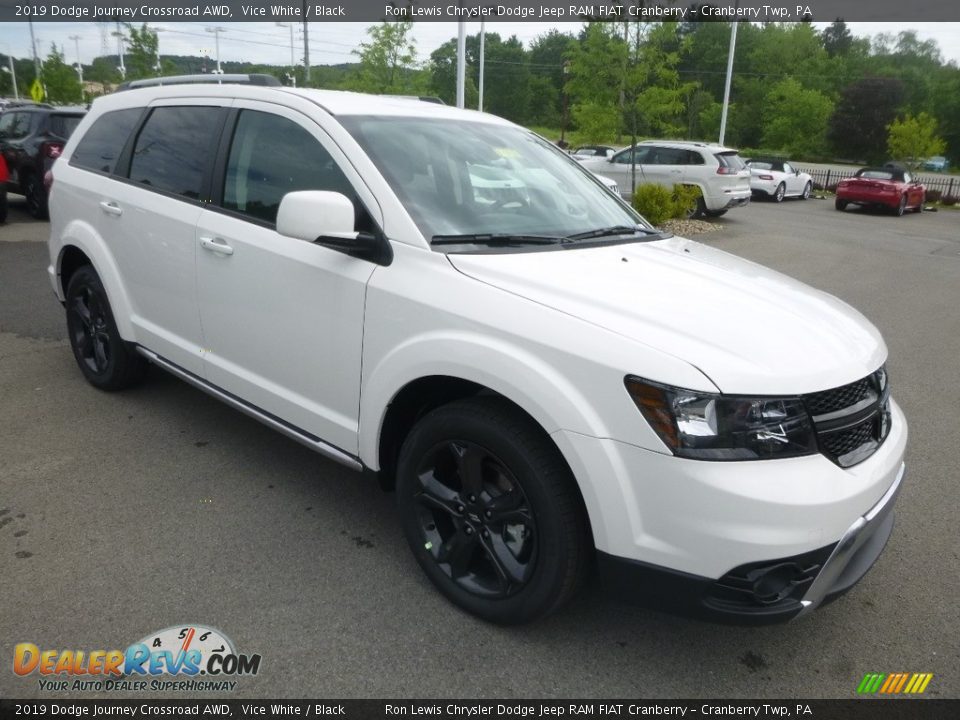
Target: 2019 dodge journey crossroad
552, 387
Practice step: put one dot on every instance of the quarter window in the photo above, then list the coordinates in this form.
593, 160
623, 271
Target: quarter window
175, 148
271, 156
101, 145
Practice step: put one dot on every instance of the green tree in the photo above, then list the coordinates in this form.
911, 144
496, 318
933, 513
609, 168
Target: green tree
595, 82
60, 80
141, 55
858, 127
795, 119
837, 39
386, 59
914, 138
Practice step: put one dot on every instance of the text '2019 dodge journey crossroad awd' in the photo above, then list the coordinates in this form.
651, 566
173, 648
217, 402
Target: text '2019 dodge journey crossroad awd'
552, 387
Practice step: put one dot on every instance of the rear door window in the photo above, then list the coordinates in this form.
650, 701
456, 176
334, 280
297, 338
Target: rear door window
175, 148
101, 145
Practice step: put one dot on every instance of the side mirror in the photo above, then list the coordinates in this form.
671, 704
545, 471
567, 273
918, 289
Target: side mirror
327, 218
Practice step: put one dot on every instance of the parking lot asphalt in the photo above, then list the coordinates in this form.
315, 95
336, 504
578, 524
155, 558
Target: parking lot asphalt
123, 514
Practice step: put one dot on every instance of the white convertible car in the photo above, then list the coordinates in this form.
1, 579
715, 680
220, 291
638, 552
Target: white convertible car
777, 179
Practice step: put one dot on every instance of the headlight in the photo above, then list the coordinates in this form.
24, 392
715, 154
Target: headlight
706, 426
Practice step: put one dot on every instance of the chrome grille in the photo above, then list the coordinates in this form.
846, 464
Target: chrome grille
853, 420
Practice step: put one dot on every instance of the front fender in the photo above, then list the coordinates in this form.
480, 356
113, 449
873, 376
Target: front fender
525, 379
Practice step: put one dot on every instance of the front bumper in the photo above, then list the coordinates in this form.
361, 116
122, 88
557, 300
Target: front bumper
763, 592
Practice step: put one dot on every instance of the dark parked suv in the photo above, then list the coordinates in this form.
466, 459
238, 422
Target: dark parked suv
31, 138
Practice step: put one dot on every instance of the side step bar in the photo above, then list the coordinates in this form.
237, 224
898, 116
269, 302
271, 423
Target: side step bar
292, 432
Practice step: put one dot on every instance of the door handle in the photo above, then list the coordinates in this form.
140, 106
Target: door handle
111, 208
217, 245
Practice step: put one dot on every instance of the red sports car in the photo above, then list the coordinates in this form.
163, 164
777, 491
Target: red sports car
886, 187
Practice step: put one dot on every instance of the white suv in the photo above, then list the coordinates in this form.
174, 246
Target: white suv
445, 299
718, 172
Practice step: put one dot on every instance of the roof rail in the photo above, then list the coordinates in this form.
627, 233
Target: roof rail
219, 79
422, 98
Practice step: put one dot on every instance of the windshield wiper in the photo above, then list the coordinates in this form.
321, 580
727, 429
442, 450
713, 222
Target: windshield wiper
613, 230
496, 239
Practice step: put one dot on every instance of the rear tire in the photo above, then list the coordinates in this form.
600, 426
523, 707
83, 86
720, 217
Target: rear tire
698, 210
491, 511
780, 193
840, 204
104, 358
36, 196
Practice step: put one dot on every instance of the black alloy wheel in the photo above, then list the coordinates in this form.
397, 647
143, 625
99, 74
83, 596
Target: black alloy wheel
104, 358
475, 519
491, 511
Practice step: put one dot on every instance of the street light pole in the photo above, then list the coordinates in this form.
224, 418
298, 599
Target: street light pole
483, 36
159, 66
461, 62
76, 45
216, 31
13, 74
726, 87
293, 63
119, 35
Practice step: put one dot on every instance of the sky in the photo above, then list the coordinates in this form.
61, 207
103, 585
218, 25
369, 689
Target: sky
333, 43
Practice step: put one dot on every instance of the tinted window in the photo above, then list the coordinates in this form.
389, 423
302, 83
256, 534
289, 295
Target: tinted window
667, 156
64, 125
14, 125
730, 160
694, 158
271, 156
102, 144
174, 149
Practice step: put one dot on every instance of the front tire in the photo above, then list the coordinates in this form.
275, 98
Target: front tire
491, 511
104, 358
807, 189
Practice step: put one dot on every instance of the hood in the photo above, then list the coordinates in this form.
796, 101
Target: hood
750, 329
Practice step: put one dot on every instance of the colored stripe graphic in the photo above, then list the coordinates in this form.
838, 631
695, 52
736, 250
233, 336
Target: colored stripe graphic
894, 683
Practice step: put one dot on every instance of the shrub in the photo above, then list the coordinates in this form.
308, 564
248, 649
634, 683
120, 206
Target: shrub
934, 195
949, 200
658, 203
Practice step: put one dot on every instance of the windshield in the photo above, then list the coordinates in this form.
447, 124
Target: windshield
462, 178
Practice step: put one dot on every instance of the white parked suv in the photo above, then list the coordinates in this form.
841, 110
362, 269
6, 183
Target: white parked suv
445, 299
716, 171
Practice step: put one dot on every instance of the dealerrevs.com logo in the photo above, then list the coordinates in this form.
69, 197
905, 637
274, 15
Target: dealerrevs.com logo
182, 657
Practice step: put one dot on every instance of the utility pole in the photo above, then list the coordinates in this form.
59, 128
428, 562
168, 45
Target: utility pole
726, 87
156, 34
33, 46
216, 31
306, 47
